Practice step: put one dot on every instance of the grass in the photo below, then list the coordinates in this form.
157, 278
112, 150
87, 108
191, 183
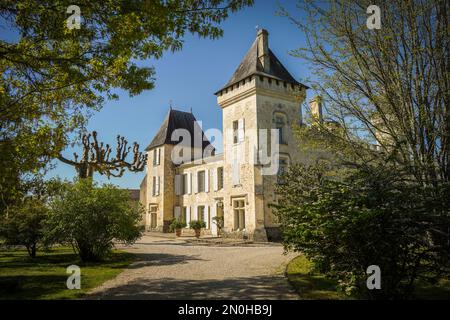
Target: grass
44, 277
312, 285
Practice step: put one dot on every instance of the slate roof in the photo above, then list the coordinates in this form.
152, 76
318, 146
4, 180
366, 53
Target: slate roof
176, 119
251, 65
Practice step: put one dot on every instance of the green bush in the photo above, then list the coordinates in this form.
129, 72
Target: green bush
92, 218
366, 218
177, 224
25, 225
197, 224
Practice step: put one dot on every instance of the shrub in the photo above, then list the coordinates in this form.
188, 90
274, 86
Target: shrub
25, 225
91, 218
177, 224
365, 218
197, 224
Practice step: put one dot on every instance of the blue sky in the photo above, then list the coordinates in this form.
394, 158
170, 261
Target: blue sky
189, 79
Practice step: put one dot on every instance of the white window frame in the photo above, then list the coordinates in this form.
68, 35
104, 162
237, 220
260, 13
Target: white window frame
239, 212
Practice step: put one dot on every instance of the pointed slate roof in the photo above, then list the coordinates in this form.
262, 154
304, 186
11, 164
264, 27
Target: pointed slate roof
176, 119
251, 65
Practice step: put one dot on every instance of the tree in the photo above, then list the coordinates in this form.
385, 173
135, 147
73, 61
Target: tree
25, 225
95, 157
390, 86
92, 218
348, 222
386, 92
54, 77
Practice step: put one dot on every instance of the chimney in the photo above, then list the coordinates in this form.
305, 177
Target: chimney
315, 104
263, 49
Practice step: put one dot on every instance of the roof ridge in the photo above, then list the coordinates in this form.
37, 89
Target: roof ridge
177, 119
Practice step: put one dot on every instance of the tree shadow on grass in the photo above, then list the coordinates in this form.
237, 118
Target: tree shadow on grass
261, 287
30, 286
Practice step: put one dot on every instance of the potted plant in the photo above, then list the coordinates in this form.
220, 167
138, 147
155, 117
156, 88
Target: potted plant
177, 225
197, 225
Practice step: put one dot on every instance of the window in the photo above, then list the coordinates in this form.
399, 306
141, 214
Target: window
279, 124
239, 214
155, 186
235, 131
201, 213
184, 184
201, 181
156, 156
184, 214
238, 131
219, 178
282, 168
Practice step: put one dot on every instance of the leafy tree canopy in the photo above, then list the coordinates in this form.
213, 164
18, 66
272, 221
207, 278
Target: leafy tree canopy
53, 77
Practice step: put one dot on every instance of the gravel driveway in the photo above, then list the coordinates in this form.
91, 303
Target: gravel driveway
174, 269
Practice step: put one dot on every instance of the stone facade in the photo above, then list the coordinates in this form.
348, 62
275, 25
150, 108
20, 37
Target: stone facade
234, 185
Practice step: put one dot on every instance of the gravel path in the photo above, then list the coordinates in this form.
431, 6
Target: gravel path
173, 269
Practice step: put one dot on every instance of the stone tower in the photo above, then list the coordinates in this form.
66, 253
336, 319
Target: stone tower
261, 94
160, 195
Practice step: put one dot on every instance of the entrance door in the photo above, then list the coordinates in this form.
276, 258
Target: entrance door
217, 211
153, 217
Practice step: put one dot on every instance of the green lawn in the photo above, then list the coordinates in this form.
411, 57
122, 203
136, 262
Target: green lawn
45, 276
312, 285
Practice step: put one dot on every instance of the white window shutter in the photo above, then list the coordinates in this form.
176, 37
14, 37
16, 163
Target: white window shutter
206, 180
158, 185
153, 186
214, 179
241, 131
195, 213
207, 216
177, 212
213, 222
178, 184
189, 182
194, 182
188, 215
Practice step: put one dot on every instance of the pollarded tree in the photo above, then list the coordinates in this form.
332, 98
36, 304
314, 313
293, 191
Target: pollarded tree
96, 157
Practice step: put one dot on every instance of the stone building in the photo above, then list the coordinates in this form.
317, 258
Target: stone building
233, 186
